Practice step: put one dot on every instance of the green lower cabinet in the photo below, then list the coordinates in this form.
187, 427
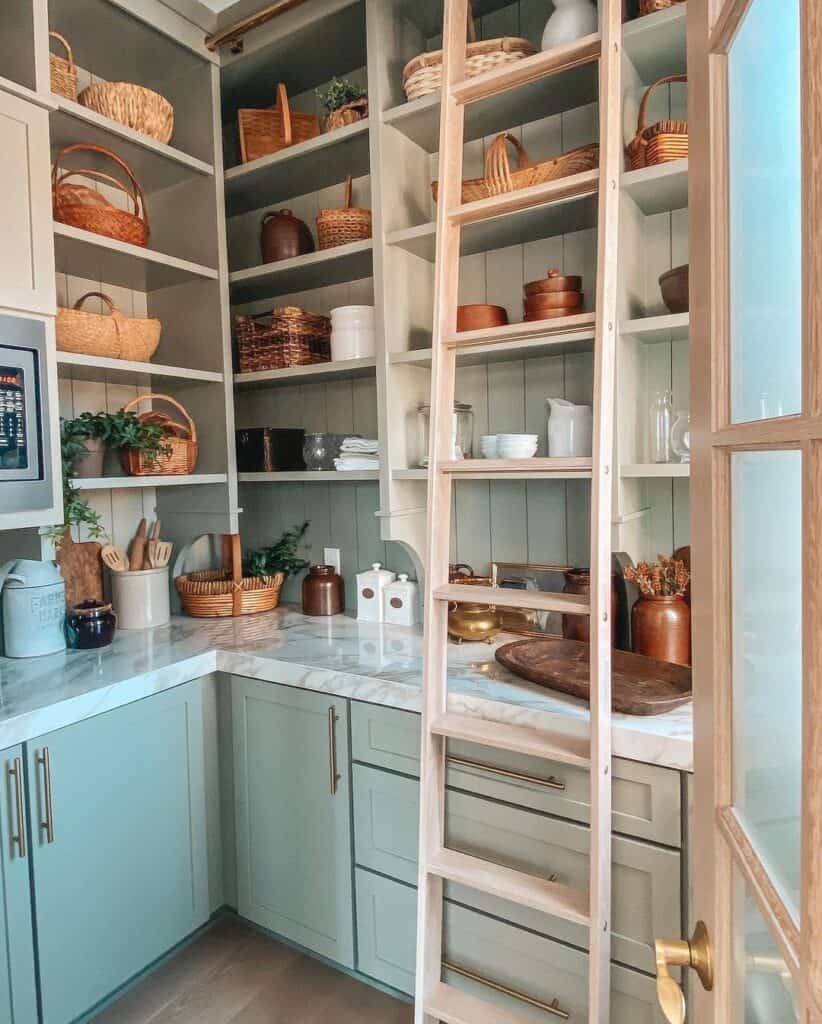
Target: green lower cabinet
294, 865
119, 846
18, 993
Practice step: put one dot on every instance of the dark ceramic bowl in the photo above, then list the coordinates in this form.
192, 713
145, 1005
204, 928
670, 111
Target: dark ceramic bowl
674, 287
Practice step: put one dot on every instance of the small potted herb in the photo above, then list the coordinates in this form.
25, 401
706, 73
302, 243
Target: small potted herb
284, 556
83, 443
344, 101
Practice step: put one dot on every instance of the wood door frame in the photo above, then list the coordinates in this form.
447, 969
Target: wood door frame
722, 846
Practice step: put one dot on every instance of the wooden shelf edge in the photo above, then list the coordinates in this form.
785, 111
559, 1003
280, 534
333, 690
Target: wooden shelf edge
325, 140
574, 327
653, 470
125, 366
138, 252
298, 373
309, 476
114, 483
311, 259
572, 186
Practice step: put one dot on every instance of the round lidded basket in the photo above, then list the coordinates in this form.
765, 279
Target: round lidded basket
111, 335
63, 70
218, 593
343, 225
135, 106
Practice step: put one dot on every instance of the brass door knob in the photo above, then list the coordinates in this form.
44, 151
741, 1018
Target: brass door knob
695, 954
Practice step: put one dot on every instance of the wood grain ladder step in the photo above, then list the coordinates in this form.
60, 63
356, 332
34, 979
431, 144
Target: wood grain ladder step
523, 469
536, 600
552, 898
519, 739
450, 1006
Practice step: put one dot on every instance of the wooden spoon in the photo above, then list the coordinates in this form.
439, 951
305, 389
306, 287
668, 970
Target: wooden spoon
154, 534
159, 553
138, 546
115, 558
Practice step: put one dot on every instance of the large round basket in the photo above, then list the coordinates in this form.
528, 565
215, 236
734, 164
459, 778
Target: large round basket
180, 458
343, 225
219, 593
111, 335
135, 106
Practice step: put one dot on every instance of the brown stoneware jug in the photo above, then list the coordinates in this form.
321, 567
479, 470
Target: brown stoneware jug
323, 592
661, 629
284, 236
578, 627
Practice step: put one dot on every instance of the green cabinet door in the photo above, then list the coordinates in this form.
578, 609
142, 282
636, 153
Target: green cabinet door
119, 845
18, 995
293, 815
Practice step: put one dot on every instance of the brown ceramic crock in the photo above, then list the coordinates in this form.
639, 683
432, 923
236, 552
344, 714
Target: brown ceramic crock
284, 236
323, 592
661, 629
578, 627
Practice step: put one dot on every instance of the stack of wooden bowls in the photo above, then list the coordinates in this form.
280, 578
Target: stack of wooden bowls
553, 296
478, 316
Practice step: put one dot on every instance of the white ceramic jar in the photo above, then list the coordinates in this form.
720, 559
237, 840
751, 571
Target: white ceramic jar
572, 19
370, 587
399, 601
141, 599
353, 333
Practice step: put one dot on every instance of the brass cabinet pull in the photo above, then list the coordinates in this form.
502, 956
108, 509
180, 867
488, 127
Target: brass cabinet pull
47, 826
15, 771
334, 776
506, 773
553, 1007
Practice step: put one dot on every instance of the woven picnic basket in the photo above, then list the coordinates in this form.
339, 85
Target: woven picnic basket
660, 142
218, 593
268, 131
500, 177
344, 224
181, 442
63, 70
650, 6
84, 207
135, 106
111, 335
288, 336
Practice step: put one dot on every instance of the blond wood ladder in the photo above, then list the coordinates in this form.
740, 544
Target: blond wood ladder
435, 1000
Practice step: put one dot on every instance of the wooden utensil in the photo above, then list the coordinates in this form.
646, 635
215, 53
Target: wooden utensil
138, 547
554, 282
82, 570
478, 315
153, 534
115, 558
158, 553
552, 300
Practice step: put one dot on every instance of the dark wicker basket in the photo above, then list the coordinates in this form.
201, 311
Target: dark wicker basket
288, 336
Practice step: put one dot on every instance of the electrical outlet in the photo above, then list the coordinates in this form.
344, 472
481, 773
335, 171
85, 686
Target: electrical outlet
331, 556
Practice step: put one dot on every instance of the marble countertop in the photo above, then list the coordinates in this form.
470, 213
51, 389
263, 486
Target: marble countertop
380, 664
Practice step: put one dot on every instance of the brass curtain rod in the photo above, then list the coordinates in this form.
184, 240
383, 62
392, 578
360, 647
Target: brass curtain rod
234, 33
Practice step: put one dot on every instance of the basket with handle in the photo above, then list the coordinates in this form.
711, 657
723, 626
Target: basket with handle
135, 106
180, 455
348, 113
63, 70
501, 177
268, 131
288, 336
345, 224
84, 207
662, 141
651, 6
217, 593
110, 335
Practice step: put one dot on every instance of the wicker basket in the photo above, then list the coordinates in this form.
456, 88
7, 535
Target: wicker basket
181, 440
346, 224
349, 113
650, 6
218, 593
63, 70
499, 177
84, 207
111, 335
289, 336
135, 106
666, 140
268, 131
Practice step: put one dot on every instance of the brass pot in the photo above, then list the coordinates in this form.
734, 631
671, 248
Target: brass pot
469, 621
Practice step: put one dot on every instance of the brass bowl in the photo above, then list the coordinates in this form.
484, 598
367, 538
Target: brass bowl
470, 622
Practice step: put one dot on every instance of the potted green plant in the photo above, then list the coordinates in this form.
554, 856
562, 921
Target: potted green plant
344, 101
83, 442
284, 556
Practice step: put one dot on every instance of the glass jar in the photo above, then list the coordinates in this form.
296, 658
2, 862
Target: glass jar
317, 451
681, 436
660, 419
462, 432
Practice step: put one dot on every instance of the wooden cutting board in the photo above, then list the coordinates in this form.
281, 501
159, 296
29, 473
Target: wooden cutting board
82, 570
640, 686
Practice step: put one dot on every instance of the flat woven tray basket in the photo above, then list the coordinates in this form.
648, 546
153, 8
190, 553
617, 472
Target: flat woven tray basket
660, 142
111, 335
219, 593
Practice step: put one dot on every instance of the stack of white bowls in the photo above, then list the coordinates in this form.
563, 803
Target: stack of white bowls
352, 333
489, 446
517, 446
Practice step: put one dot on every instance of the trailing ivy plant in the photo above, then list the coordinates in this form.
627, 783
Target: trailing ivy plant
339, 92
281, 557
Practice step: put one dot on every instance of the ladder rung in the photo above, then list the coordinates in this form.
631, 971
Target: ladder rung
519, 739
511, 76
519, 469
559, 190
577, 327
451, 1006
502, 597
506, 883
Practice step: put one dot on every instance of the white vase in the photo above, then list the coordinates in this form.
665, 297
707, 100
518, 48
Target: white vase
572, 19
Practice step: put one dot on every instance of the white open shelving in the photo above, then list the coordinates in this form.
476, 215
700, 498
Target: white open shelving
655, 470
659, 188
112, 483
310, 476
76, 366
313, 270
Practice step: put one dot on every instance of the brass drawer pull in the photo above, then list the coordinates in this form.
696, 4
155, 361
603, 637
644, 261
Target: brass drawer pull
16, 772
47, 826
506, 773
334, 775
553, 1007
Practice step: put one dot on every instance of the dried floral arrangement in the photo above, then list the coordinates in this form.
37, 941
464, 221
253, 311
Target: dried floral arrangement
666, 577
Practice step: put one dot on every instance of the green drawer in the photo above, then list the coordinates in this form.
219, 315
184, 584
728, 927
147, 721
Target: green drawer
646, 879
498, 952
646, 798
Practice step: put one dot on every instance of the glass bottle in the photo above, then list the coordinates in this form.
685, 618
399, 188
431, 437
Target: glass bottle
661, 417
316, 451
681, 436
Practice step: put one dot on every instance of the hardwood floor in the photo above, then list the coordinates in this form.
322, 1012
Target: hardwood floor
234, 975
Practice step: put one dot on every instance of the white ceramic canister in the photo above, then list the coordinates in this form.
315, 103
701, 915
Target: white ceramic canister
572, 19
344, 315
359, 342
399, 601
370, 587
34, 608
141, 598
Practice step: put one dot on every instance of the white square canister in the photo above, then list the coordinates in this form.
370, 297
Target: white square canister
399, 602
370, 586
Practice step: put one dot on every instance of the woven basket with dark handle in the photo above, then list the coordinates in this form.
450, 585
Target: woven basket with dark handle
217, 593
660, 142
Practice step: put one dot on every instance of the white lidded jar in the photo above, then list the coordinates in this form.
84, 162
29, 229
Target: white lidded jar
572, 19
399, 601
370, 587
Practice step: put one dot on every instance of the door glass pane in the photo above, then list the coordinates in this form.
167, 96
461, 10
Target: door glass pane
765, 212
767, 657
763, 979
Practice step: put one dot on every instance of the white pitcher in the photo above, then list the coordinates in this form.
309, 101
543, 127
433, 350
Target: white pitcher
571, 20
570, 429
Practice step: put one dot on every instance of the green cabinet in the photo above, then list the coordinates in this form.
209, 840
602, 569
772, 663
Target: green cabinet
18, 995
291, 770
117, 808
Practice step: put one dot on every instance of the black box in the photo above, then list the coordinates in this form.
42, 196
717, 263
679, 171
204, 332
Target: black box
269, 450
